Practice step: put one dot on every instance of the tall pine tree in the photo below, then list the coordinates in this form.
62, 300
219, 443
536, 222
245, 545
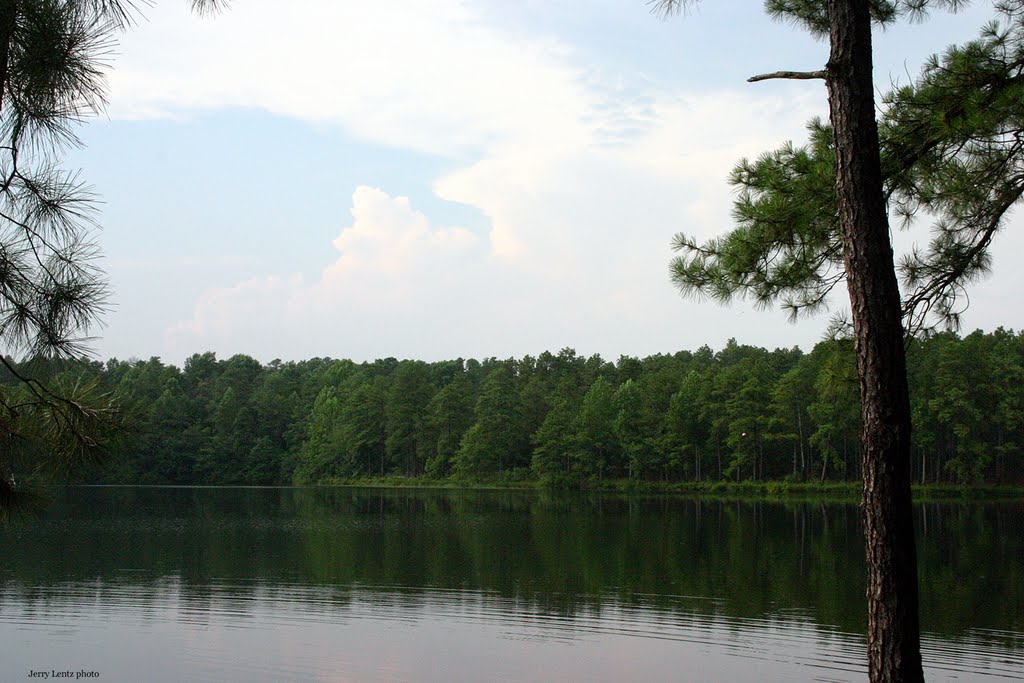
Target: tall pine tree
953, 149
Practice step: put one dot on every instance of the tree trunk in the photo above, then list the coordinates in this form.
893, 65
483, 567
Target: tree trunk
800, 434
718, 454
893, 626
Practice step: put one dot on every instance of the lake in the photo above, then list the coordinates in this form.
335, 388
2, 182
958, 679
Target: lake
281, 584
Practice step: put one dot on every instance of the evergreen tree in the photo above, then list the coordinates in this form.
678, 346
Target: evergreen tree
809, 232
51, 291
165, 452
1007, 368
262, 464
629, 428
598, 446
835, 410
449, 415
683, 416
791, 398
364, 428
555, 442
949, 150
496, 438
324, 447
747, 412
685, 427
407, 400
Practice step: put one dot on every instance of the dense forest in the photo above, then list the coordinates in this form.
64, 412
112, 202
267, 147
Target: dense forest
743, 413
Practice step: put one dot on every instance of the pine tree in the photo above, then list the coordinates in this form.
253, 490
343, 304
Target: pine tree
595, 430
51, 291
449, 415
496, 440
951, 150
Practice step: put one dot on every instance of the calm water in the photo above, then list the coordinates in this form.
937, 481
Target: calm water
179, 584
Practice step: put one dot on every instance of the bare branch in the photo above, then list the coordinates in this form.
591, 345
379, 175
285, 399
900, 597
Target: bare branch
792, 75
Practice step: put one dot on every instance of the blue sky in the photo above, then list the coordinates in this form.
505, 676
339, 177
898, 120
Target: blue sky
442, 178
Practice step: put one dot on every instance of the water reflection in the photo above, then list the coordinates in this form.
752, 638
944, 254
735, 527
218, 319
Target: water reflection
339, 583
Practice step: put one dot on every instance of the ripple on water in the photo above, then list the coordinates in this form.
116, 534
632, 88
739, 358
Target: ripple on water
264, 631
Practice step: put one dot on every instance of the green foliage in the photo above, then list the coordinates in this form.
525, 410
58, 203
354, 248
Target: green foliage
496, 440
364, 428
556, 440
52, 293
791, 417
836, 410
324, 440
686, 430
812, 14
405, 406
598, 447
663, 419
449, 415
951, 152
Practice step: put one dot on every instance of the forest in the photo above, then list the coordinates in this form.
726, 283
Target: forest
742, 413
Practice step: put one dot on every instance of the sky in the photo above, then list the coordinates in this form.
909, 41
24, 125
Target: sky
436, 179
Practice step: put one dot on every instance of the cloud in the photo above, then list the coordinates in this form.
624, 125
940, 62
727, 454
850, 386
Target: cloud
525, 117
426, 75
388, 238
583, 172
581, 207
391, 265
576, 255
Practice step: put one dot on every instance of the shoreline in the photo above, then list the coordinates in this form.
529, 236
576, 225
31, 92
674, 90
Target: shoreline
769, 490
729, 490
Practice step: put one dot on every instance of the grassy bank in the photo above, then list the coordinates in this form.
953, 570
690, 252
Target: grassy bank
838, 491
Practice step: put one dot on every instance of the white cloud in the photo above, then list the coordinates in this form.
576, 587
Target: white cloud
392, 265
389, 238
543, 138
576, 255
584, 175
424, 75
583, 172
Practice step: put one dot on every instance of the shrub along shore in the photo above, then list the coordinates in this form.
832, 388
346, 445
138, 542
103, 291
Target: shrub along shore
770, 490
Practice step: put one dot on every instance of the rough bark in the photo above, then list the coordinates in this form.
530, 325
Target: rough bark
893, 623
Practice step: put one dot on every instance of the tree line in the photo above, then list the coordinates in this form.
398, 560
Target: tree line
742, 413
